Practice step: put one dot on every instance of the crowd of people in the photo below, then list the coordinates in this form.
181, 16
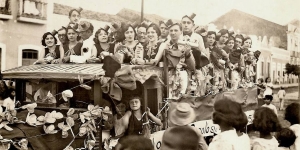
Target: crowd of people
199, 62
233, 123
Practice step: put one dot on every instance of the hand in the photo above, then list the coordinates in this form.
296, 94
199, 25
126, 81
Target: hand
66, 59
148, 110
103, 54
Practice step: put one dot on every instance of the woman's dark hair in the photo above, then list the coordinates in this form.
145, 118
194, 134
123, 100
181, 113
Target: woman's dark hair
45, 36
69, 27
286, 137
227, 112
229, 39
210, 33
71, 11
155, 27
267, 79
189, 137
220, 33
261, 79
247, 38
9, 91
241, 123
96, 40
124, 28
136, 142
265, 120
292, 113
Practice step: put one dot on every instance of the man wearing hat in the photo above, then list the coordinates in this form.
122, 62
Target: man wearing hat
180, 59
188, 24
181, 115
163, 25
86, 30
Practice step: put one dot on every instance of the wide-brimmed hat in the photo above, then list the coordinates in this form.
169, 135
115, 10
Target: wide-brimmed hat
182, 115
67, 94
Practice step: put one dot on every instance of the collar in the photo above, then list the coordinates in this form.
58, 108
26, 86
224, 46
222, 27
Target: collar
173, 45
189, 34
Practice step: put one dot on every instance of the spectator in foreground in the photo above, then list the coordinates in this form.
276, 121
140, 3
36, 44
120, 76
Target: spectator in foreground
265, 121
293, 116
135, 142
180, 138
286, 138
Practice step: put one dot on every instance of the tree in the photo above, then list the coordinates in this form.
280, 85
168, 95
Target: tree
295, 70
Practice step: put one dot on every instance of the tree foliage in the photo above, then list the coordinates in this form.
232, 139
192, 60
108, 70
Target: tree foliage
292, 69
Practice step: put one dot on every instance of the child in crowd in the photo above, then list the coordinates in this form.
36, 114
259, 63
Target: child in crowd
293, 116
269, 87
227, 113
268, 99
281, 95
265, 121
180, 137
260, 91
286, 138
244, 140
9, 102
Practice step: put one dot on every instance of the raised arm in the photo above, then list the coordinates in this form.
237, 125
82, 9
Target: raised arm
153, 118
160, 53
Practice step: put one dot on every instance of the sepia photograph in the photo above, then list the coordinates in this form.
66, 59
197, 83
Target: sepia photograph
149, 75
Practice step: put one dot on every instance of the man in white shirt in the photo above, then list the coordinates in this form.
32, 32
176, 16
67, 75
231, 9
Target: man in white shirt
188, 24
86, 30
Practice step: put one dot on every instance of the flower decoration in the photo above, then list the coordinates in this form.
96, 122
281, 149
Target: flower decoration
50, 129
80, 79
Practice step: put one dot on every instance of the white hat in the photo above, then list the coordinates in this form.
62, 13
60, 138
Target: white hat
182, 115
67, 94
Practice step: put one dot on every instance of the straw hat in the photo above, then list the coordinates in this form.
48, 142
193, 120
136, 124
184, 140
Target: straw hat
182, 115
67, 94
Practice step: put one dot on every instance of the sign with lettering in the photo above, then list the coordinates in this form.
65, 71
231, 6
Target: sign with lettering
139, 51
206, 127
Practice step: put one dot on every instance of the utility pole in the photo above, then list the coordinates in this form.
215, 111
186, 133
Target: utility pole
142, 11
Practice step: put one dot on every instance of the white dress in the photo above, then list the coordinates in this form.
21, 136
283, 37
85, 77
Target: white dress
244, 142
265, 144
268, 90
227, 140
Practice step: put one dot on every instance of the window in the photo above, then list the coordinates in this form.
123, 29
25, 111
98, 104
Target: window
33, 11
29, 56
5, 7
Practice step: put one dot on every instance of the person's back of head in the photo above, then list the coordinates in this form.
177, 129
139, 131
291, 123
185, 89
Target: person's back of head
265, 120
286, 137
135, 142
227, 112
269, 97
180, 138
292, 113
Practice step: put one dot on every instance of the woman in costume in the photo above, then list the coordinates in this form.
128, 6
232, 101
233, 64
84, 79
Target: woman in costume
51, 53
101, 47
151, 54
72, 47
136, 121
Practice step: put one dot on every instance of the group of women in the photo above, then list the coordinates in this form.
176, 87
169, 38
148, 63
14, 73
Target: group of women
230, 64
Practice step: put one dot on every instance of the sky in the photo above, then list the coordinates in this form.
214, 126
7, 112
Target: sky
278, 11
